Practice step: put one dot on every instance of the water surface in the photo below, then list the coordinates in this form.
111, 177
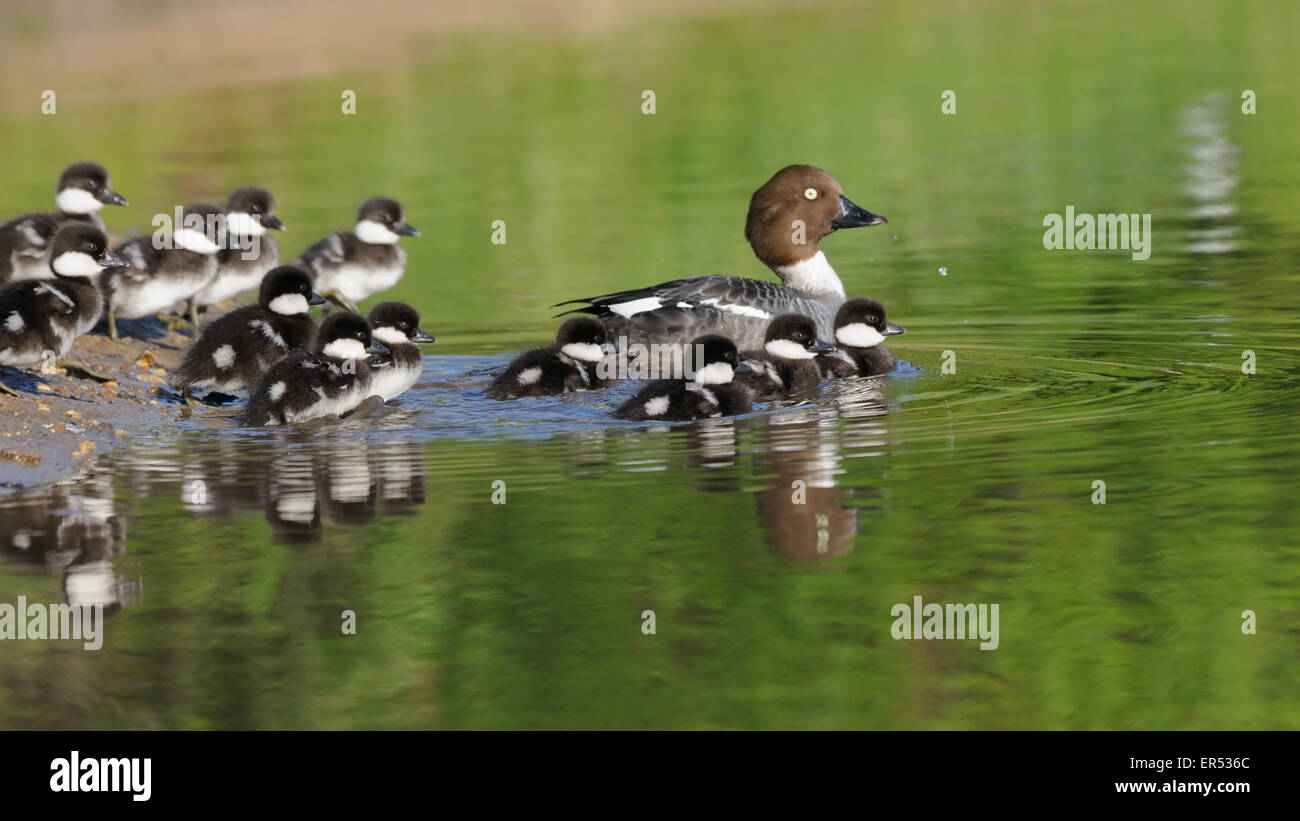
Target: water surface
226, 556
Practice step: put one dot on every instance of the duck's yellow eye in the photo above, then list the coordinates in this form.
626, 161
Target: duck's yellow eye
810, 193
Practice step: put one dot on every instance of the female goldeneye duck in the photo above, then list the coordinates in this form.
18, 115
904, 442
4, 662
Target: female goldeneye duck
352, 266
46, 315
83, 189
166, 268
711, 391
396, 325
860, 327
250, 254
234, 350
788, 218
329, 381
568, 365
788, 359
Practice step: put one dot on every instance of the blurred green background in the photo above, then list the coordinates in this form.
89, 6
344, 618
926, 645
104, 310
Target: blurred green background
975, 487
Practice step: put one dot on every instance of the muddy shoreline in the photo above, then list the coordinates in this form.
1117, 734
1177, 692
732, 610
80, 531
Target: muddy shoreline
63, 423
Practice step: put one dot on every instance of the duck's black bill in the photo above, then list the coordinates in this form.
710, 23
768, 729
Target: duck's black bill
853, 216
893, 330
112, 261
316, 299
273, 222
408, 230
742, 368
423, 336
111, 197
822, 347
377, 347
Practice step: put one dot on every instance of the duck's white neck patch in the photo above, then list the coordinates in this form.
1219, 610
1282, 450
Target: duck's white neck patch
389, 335
345, 349
787, 349
584, 351
859, 335
195, 241
77, 201
75, 264
289, 304
243, 225
813, 276
373, 233
718, 373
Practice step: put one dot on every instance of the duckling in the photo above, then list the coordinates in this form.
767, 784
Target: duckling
351, 266
860, 327
712, 392
83, 189
396, 325
330, 381
568, 365
233, 351
250, 254
788, 361
40, 318
164, 269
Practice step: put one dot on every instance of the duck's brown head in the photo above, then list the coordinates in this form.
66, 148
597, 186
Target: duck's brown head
791, 213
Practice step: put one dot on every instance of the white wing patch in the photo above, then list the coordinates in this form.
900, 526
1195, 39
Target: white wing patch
636, 306
657, 406
224, 356
276, 391
529, 376
45, 288
269, 332
30, 234
14, 322
743, 310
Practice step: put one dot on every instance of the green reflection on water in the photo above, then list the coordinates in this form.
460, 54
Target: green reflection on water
975, 488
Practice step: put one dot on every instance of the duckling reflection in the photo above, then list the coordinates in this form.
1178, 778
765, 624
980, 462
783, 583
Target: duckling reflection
72, 529
292, 505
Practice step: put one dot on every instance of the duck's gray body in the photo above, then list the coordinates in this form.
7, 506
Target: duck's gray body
735, 307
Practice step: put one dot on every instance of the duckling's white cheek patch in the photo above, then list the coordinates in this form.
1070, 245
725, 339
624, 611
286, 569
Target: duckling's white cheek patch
345, 349
389, 336
77, 201
224, 356
192, 240
657, 406
14, 322
719, 373
786, 349
289, 304
75, 264
373, 233
859, 335
243, 225
585, 351
529, 376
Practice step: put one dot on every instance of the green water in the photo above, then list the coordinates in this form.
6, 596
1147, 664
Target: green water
975, 485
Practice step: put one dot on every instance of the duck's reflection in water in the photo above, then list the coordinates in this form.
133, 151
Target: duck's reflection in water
796, 448
300, 485
72, 529
805, 510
